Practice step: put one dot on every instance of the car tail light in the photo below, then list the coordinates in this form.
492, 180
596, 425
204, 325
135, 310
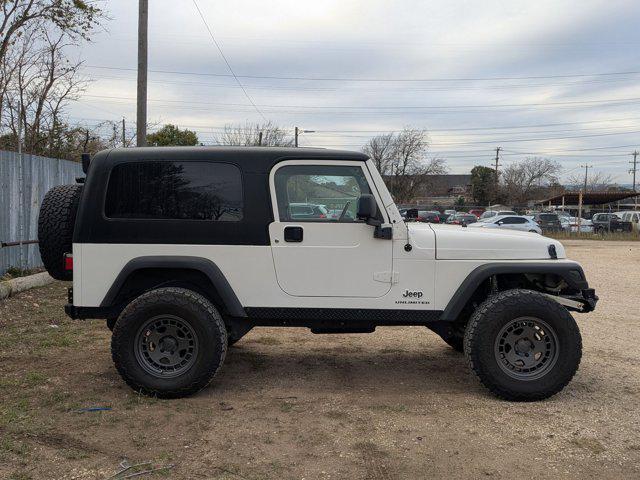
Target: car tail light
436, 219
322, 215
68, 262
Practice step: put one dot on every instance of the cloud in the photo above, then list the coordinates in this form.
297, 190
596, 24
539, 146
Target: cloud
382, 39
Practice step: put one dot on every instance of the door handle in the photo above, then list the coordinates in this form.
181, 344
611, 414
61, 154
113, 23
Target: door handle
293, 234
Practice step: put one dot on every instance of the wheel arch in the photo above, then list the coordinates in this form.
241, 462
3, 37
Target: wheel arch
203, 275
570, 272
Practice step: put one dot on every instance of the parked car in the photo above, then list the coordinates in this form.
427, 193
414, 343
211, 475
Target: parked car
630, 216
444, 217
609, 222
495, 213
477, 212
462, 219
307, 211
570, 224
548, 221
428, 216
509, 222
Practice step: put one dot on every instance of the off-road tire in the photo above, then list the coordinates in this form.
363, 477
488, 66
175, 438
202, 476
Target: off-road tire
456, 342
111, 322
505, 307
193, 309
55, 228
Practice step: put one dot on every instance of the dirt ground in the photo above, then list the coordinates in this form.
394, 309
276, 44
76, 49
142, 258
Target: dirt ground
395, 404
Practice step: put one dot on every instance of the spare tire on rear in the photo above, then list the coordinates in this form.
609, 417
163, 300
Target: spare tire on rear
55, 228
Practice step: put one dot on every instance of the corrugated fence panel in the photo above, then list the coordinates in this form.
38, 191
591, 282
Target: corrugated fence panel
20, 202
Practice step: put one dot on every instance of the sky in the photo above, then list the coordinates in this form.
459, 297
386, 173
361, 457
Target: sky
551, 78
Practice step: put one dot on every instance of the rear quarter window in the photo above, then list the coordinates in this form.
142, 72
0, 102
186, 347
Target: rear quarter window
175, 190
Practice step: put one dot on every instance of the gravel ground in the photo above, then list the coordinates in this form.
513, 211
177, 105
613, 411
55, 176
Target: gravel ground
395, 404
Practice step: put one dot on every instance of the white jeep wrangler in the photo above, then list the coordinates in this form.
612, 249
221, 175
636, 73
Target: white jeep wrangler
184, 250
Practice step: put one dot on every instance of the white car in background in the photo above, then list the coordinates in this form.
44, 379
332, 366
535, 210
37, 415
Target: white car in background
496, 213
509, 222
570, 224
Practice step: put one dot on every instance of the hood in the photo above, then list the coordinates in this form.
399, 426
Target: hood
454, 242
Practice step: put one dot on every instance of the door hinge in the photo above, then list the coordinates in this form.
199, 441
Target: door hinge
386, 277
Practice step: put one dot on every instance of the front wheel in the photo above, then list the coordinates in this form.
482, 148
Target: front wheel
169, 342
522, 345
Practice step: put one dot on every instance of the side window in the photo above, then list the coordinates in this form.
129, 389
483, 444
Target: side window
518, 220
509, 220
175, 190
319, 193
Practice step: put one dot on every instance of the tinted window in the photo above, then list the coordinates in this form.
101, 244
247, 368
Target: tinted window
175, 190
319, 192
549, 217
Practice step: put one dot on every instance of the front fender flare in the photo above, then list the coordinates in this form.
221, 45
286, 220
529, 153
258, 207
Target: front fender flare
571, 272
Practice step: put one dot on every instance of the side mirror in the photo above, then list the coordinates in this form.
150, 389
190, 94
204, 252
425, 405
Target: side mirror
367, 207
500, 222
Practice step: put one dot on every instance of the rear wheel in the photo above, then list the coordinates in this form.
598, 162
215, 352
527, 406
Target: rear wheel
169, 342
523, 345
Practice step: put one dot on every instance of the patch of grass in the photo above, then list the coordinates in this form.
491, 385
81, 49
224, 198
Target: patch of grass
11, 446
20, 476
15, 272
398, 408
14, 413
337, 415
33, 379
267, 341
592, 445
286, 407
390, 350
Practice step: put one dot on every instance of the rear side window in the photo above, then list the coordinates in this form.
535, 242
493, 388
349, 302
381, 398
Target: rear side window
175, 190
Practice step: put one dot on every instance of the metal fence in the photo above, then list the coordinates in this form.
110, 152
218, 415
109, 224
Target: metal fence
23, 184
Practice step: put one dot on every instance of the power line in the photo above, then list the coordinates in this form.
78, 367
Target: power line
215, 42
352, 79
384, 107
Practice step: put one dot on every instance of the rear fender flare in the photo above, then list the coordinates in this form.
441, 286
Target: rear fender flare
231, 303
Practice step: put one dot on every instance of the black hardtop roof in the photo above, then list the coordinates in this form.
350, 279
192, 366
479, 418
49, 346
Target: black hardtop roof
249, 158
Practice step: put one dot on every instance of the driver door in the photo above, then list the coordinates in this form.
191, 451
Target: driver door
328, 252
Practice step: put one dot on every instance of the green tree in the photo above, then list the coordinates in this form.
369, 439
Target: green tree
170, 135
483, 184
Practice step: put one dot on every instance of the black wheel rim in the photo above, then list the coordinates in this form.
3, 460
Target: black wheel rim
166, 346
526, 348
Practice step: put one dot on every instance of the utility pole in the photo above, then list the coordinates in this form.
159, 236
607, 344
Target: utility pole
296, 136
260, 139
124, 138
633, 171
21, 202
586, 176
496, 167
141, 117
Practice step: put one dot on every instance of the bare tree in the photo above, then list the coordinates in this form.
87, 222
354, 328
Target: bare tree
42, 84
249, 135
74, 18
381, 150
522, 180
402, 160
596, 182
